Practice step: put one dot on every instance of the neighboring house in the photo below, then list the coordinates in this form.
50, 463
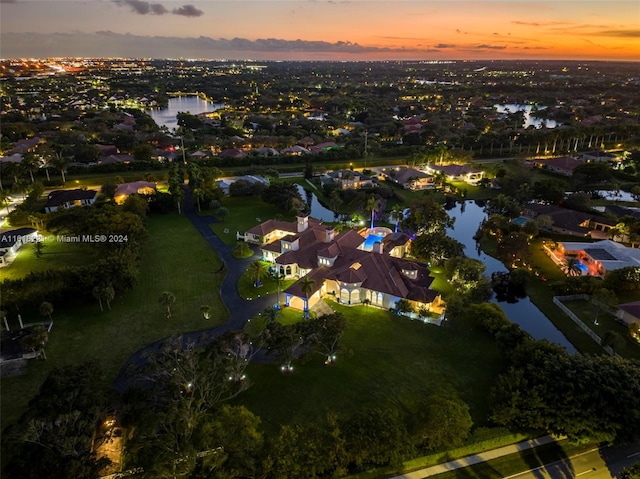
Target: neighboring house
340, 267
598, 156
11, 241
622, 211
326, 146
410, 178
14, 158
233, 153
349, 179
24, 146
562, 166
111, 159
457, 172
602, 256
137, 187
224, 183
570, 222
296, 150
266, 151
62, 199
106, 150
629, 313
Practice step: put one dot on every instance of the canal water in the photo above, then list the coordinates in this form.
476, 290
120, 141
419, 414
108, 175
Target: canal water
528, 120
468, 217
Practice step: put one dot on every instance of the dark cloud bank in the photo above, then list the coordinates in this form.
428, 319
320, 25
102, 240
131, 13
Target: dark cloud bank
110, 44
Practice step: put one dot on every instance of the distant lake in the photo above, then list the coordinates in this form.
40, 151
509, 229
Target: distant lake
528, 119
182, 104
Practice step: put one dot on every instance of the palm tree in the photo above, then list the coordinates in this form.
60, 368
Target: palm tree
572, 266
46, 309
108, 294
397, 215
372, 205
257, 271
60, 162
306, 285
97, 293
36, 340
205, 309
29, 164
166, 299
222, 213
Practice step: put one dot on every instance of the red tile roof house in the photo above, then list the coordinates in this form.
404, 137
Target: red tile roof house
340, 266
70, 198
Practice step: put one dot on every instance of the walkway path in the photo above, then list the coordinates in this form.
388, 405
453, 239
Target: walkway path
240, 310
478, 458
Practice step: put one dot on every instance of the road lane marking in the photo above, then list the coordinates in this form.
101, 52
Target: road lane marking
585, 472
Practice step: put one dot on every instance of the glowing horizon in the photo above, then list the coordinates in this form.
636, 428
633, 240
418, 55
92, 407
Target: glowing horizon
322, 30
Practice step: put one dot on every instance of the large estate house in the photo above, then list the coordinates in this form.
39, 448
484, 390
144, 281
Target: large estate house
352, 267
600, 257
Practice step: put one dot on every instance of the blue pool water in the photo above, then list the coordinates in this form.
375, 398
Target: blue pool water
519, 221
582, 267
368, 242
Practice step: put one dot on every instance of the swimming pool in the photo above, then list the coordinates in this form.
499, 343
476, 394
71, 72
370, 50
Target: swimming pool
370, 240
521, 221
582, 267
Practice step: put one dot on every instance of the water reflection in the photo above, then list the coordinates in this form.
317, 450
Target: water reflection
468, 217
529, 120
185, 104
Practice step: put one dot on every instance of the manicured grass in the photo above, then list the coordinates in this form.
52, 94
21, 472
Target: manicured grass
606, 322
55, 255
247, 289
176, 259
542, 296
388, 361
244, 213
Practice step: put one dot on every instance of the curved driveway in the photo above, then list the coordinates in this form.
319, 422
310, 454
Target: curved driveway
240, 310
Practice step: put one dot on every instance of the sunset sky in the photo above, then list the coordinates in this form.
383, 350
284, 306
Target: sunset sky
320, 29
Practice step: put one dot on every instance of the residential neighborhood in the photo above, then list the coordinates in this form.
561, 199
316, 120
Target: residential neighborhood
217, 268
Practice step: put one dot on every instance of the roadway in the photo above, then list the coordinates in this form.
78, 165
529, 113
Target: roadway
599, 463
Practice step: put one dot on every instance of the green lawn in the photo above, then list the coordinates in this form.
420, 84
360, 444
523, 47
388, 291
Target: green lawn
55, 255
244, 212
606, 322
177, 259
248, 290
388, 361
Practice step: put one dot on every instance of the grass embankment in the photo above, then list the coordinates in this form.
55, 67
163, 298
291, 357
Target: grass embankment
388, 361
176, 259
